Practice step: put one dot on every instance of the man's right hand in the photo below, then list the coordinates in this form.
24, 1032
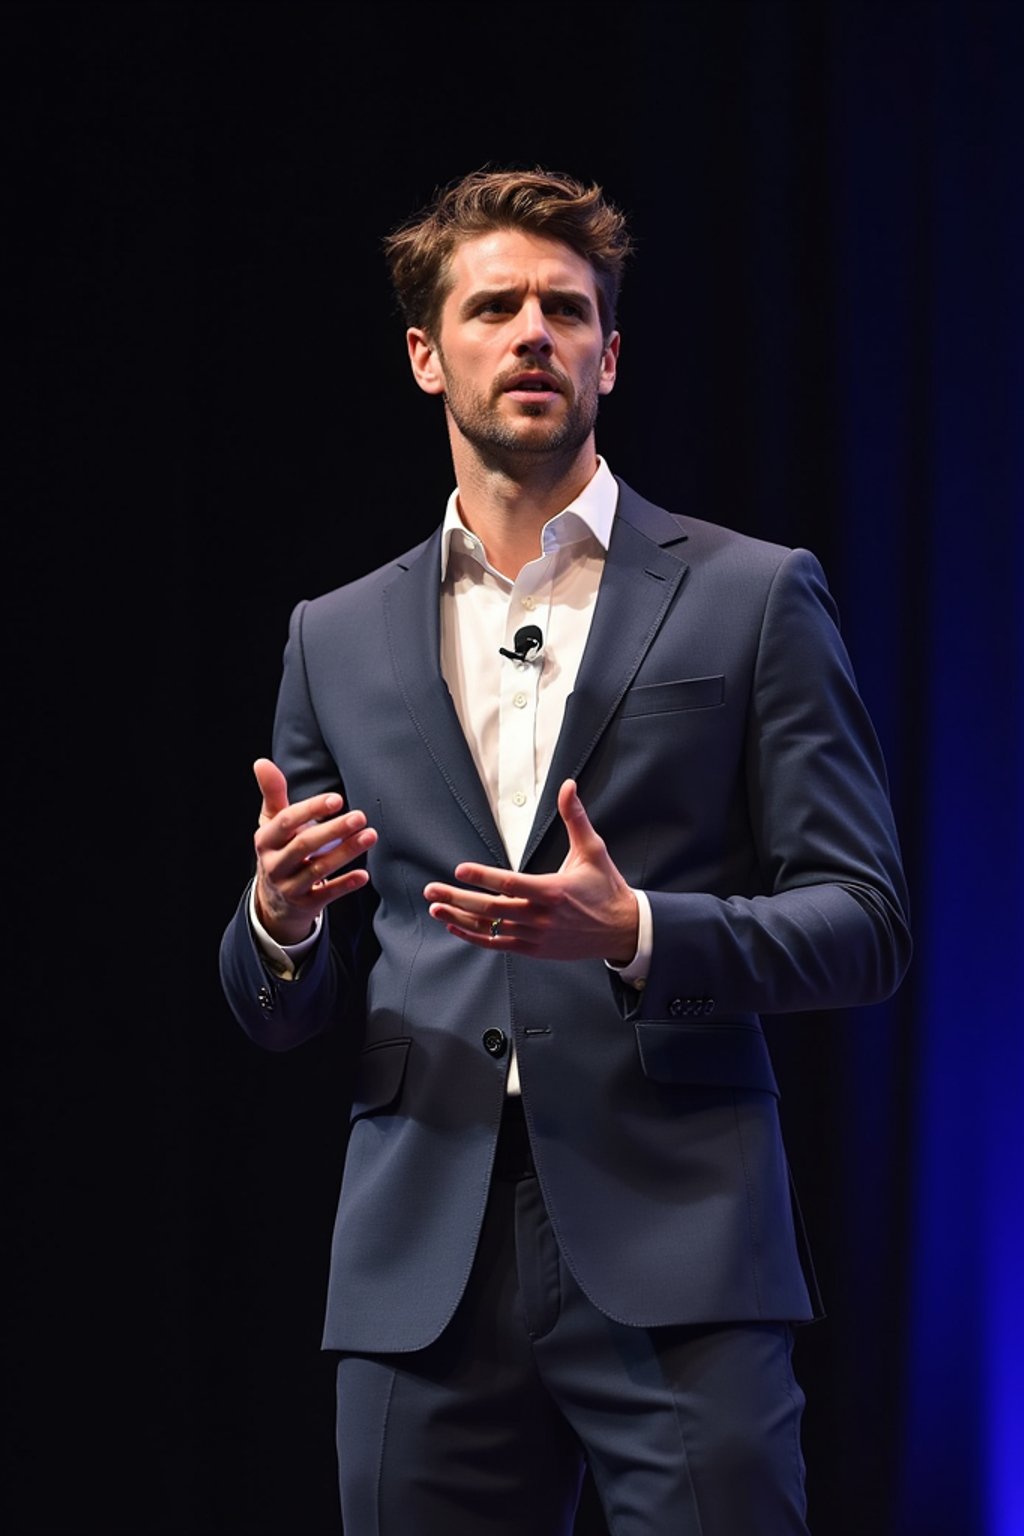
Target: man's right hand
299, 849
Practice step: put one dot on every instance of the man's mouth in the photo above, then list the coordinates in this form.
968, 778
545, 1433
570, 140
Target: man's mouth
532, 384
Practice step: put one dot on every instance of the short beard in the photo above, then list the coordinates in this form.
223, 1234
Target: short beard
500, 445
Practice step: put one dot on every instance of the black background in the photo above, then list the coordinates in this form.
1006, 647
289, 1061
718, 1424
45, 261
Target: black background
212, 417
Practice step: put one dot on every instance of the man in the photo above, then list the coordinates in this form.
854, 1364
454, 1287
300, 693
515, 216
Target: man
585, 786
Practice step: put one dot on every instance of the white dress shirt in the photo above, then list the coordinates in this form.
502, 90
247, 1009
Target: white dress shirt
511, 711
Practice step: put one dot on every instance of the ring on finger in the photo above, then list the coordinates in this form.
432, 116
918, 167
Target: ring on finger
495, 927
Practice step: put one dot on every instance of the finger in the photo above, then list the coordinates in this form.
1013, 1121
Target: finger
498, 882
316, 877
332, 844
339, 885
475, 905
273, 787
478, 922
487, 877
315, 816
314, 838
510, 942
574, 815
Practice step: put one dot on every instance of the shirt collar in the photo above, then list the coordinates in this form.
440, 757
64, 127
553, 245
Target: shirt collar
592, 511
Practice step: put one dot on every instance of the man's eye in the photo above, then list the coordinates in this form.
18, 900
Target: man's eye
570, 310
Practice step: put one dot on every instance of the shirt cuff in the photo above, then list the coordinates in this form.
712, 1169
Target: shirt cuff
635, 973
282, 959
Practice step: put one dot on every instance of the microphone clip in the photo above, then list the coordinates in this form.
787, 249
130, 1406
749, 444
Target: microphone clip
528, 642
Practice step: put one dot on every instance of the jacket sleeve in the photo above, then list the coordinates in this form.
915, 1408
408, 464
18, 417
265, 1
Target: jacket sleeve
830, 928
329, 987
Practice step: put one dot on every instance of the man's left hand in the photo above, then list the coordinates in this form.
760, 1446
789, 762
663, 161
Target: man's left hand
584, 912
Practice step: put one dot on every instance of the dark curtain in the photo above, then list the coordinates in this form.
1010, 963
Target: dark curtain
211, 416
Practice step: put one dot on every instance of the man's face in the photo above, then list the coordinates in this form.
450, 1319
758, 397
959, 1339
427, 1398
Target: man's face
519, 356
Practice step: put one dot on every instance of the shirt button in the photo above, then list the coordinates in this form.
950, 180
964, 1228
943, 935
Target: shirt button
530, 603
518, 798
519, 700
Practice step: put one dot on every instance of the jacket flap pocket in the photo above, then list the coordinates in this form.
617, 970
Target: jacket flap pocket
665, 698
708, 1055
379, 1075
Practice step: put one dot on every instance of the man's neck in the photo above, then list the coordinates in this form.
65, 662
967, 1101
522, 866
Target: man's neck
508, 506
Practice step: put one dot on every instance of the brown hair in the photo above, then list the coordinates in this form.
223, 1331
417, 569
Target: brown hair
546, 203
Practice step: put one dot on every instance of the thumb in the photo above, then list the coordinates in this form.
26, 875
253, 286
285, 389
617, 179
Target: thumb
273, 787
577, 822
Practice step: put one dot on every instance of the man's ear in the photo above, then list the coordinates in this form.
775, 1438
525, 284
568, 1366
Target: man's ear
425, 362
609, 364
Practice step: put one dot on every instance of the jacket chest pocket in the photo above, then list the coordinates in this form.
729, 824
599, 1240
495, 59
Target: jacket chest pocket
670, 698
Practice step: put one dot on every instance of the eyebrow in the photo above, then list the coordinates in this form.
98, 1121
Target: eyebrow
550, 295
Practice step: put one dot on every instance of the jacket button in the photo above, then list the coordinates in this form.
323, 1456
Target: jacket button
495, 1043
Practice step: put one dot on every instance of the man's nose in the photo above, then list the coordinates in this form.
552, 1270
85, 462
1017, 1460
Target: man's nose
533, 334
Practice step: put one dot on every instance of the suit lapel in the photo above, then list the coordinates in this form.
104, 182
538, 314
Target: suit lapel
640, 579
413, 622
641, 575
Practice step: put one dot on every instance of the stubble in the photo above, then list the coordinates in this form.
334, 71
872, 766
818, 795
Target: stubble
501, 441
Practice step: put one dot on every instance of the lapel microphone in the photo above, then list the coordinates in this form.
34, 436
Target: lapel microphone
528, 642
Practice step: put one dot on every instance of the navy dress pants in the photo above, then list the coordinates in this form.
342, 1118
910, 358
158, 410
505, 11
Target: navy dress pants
688, 1431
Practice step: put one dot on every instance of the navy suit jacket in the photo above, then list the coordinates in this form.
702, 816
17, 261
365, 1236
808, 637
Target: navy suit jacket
724, 754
